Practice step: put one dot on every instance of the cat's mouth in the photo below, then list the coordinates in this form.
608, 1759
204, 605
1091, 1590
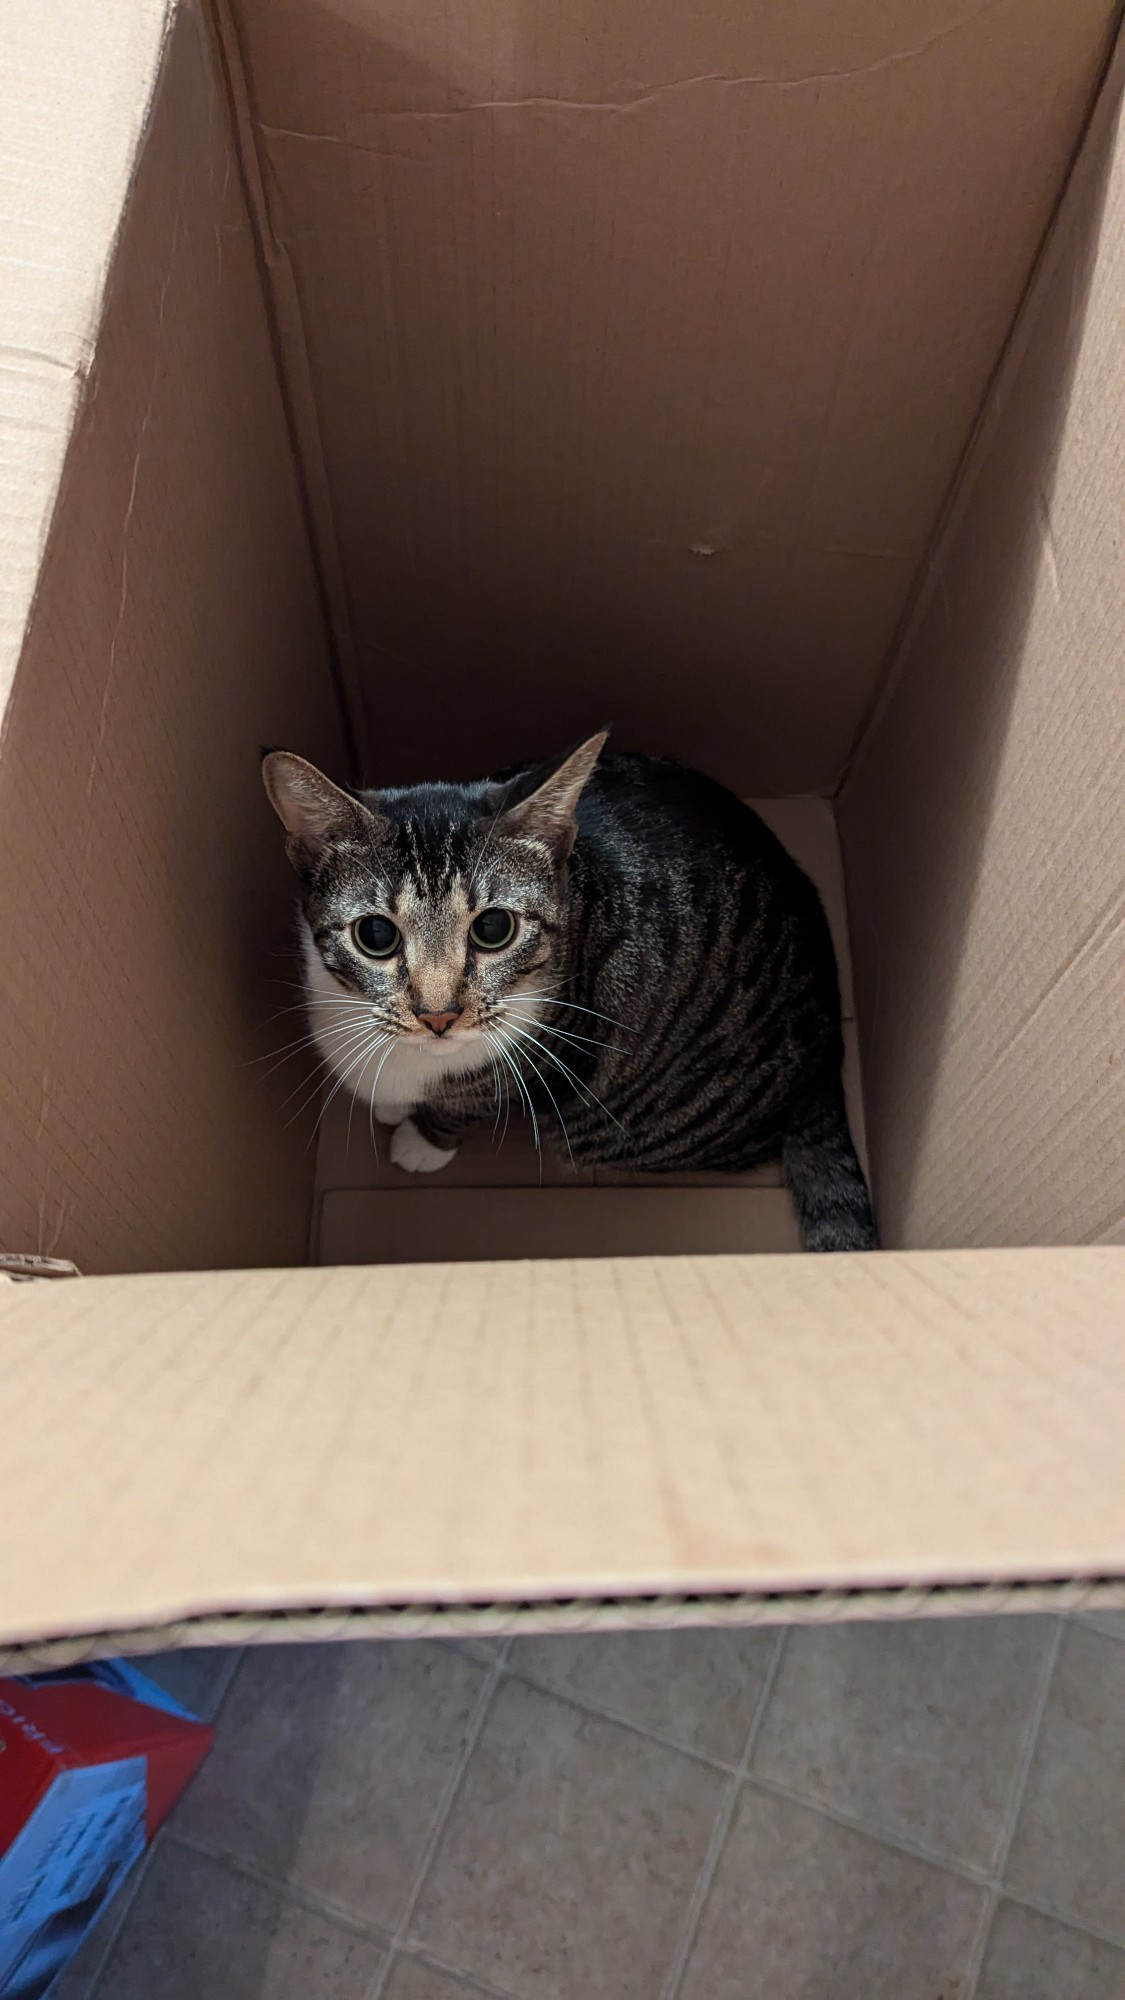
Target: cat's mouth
450, 1038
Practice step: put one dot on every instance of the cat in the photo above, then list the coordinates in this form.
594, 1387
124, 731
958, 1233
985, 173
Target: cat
613, 941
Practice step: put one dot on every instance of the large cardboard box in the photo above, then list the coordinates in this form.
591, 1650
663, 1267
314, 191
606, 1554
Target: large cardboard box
415, 386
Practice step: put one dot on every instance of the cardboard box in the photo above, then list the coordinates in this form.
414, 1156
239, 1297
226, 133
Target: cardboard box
412, 387
94, 1759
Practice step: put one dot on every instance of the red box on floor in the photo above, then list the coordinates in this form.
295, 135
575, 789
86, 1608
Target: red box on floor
92, 1759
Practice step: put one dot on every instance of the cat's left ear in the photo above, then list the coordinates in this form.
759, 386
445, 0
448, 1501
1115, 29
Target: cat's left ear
547, 815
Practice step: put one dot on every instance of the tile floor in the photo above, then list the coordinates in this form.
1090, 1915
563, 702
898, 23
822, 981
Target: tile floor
904, 1812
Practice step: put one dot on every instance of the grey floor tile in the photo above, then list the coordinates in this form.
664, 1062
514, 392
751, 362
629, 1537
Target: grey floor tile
1069, 1848
570, 1856
478, 1648
915, 1729
197, 1676
200, 1931
411, 1979
1030, 1957
699, 1689
1110, 1622
331, 1763
805, 1909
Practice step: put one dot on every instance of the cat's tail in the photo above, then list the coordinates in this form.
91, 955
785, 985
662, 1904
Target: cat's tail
824, 1177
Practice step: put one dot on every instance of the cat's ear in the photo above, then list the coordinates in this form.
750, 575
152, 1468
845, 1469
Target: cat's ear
316, 814
547, 815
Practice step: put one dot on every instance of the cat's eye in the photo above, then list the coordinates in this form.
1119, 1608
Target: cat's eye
376, 937
492, 930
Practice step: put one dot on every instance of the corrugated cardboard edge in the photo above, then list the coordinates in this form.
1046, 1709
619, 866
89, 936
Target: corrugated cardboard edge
291, 360
1103, 108
330, 1625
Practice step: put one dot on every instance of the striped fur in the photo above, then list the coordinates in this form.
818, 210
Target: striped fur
670, 1001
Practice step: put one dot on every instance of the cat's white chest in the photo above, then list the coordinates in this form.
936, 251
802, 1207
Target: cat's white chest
411, 1072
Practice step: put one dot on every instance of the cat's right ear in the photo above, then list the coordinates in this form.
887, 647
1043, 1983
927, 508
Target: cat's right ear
316, 814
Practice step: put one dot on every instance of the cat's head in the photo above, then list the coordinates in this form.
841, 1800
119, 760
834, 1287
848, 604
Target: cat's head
437, 904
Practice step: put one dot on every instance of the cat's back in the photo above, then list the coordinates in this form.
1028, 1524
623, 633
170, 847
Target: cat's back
652, 816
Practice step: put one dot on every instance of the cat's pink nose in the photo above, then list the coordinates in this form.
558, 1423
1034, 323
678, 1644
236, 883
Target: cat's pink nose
438, 1023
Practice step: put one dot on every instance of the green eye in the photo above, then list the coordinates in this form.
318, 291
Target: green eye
492, 930
376, 937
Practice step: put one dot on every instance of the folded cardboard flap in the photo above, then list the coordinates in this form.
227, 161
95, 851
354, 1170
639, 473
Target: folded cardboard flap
633, 365
470, 1435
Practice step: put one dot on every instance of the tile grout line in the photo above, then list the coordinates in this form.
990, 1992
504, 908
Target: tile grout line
492, 1681
722, 1765
1088, 1620
133, 1888
113, 1935
737, 1776
891, 1838
236, 1656
413, 1954
1064, 1920
1015, 1806
721, 1826
896, 1842
871, 1829
286, 1892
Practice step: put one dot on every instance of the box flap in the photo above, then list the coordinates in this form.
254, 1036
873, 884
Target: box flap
75, 84
197, 1444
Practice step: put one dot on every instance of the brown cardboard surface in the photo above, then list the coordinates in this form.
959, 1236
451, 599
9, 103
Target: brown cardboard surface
175, 625
435, 1225
984, 823
643, 350
475, 1434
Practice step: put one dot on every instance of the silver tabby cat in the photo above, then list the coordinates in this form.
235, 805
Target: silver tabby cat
615, 942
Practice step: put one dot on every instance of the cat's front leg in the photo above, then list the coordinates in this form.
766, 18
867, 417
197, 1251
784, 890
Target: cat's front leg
429, 1135
392, 1114
414, 1152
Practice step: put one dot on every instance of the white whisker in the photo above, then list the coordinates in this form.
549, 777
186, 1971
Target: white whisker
313, 1077
363, 1057
508, 1059
549, 1028
552, 1000
554, 1103
371, 1095
576, 1081
355, 1090
286, 1054
357, 1038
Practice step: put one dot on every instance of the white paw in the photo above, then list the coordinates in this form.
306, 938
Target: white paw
414, 1154
392, 1114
